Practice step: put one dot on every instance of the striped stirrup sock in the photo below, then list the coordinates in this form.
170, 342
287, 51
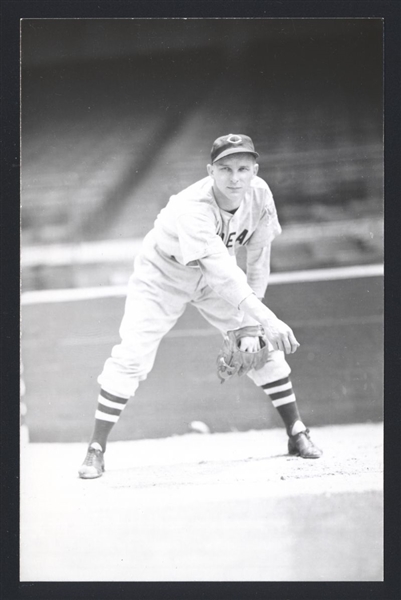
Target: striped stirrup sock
283, 398
280, 392
109, 407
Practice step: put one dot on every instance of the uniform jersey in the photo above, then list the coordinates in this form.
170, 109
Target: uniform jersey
195, 232
187, 227
190, 257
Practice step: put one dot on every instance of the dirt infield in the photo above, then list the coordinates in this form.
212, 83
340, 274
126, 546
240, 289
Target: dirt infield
219, 507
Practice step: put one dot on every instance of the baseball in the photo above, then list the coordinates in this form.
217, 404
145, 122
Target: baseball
199, 427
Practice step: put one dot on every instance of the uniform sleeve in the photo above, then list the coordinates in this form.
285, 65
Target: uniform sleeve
225, 277
258, 269
199, 242
268, 227
197, 236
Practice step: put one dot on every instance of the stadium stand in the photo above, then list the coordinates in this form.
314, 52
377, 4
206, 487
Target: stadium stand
105, 141
88, 133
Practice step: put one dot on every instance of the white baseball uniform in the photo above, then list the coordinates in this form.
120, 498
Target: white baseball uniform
190, 257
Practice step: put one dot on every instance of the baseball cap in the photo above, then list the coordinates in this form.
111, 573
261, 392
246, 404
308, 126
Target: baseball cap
231, 144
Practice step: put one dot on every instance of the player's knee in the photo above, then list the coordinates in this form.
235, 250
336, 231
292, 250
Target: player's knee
276, 368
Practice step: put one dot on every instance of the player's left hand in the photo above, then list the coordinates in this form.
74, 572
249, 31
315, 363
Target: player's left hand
243, 349
249, 344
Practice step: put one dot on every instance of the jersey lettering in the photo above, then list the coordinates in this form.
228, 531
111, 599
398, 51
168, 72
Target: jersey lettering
240, 239
229, 243
230, 239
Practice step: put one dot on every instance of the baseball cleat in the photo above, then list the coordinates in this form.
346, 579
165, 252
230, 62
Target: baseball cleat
93, 465
301, 445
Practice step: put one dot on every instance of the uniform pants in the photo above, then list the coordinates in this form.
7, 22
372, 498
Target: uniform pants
158, 292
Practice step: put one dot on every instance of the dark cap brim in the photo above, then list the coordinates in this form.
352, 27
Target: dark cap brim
235, 151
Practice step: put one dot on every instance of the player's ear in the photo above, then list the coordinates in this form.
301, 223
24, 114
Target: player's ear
210, 170
255, 169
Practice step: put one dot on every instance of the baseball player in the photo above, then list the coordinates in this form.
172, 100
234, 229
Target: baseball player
190, 257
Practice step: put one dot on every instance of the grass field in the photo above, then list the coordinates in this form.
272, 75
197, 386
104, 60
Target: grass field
337, 372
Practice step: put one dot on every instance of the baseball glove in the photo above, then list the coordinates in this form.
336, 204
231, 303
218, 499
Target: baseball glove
231, 360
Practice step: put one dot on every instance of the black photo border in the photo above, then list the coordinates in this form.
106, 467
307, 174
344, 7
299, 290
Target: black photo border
11, 13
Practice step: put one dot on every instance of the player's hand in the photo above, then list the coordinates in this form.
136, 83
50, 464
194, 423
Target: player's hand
277, 332
249, 344
281, 336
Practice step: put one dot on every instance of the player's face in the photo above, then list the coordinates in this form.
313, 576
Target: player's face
232, 177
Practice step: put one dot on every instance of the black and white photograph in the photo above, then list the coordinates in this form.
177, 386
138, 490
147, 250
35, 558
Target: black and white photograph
202, 262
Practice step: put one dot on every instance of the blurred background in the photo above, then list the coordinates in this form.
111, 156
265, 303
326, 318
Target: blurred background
117, 115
